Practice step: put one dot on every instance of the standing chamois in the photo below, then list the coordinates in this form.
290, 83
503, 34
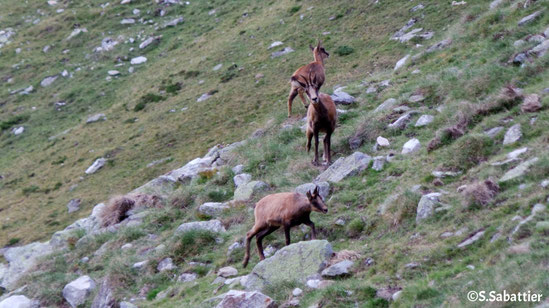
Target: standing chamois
308, 78
282, 210
321, 117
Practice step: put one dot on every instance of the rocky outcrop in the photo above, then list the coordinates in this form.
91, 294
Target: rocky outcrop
345, 167
20, 260
19, 301
293, 263
243, 299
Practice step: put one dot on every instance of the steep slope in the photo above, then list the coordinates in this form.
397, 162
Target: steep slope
459, 203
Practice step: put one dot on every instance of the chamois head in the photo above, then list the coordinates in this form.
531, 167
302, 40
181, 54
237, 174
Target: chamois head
316, 201
319, 52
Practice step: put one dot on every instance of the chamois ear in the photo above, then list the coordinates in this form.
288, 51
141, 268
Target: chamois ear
312, 48
315, 193
319, 44
309, 196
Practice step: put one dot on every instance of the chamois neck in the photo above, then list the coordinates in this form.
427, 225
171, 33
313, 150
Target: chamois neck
318, 58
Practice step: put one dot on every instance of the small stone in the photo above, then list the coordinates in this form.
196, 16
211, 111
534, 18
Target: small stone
382, 142
282, 52
18, 301
174, 22
440, 45
519, 170
532, 103
166, 265
386, 105
126, 246
402, 121
424, 120
493, 132
113, 73
275, 44
401, 63
416, 98
97, 164
516, 153
512, 135
241, 179
127, 21
234, 246
529, 18
227, 272
217, 67
471, 267
73, 205
77, 291
186, 277
544, 183
140, 265
203, 97
319, 284
340, 97
397, 295
339, 269
238, 169
18, 130
426, 206
475, 237
323, 188
48, 81
138, 60
297, 292
379, 161
417, 8
411, 146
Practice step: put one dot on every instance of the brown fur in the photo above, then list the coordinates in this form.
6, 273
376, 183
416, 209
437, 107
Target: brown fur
321, 117
308, 78
117, 208
282, 210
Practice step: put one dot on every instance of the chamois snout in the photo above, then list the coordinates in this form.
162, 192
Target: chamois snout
316, 201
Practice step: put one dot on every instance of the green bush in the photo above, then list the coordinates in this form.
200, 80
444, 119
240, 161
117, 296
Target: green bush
18, 119
355, 227
147, 98
344, 50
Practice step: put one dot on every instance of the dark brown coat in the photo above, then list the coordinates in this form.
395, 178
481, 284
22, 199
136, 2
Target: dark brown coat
321, 117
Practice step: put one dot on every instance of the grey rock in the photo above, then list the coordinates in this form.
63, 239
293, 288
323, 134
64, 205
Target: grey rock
445, 174
496, 3
158, 161
440, 45
275, 44
512, 135
203, 97
516, 153
386, 105
166, 265
411, 146
382, 142
529, 18
424, 120
127, 21
76, 32
401, 122
345, 167
396, 296
519, 170
18, 130
416, 98
295, 262
127, 305
48, 81
113, 73
186, 277
379, 161
213, 209
138, 60
417, 8
243, 299
472, 239
97, 164
193, 168
319, 284
339, 269
401, 63
403, 30
96, 118
518, 43
20, 260
107, 44
73, 205
323, 188
18, 301
162, 186
269, 250
174, 22
297, 292
227, 271
210, 225
149, 41
343, 98
282, 52
105, 297
238, 169
140, 265
242, 179
493, 132
540, 50
246, 191
217, 67
426, 206
77, 291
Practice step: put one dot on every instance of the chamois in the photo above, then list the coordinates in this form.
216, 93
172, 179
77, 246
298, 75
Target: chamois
283, 210
321, 117
308, 78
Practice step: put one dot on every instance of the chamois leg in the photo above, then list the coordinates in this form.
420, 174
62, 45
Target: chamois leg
315, 161
309, 138
311, 225
327, 148
293, 94
259, 240
303, 100
287, 234
249, 237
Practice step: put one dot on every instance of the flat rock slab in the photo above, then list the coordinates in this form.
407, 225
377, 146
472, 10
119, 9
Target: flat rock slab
345, 167
210, 225
339, 269
518, 171
213, 209
19, 301
293, 263
21, 259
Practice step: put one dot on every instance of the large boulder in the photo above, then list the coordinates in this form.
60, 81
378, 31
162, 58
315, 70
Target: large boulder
245, 192
323, 188
20, 259
344, 167
19, 301
243, 299
213, 209
293, 263
210, 225
411, 146
78, 291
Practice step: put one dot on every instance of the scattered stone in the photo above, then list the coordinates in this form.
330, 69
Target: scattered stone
470, 240
210, 225
340, 222
138, 60
127, 21
242, 179
297, 292
344, 167
529, 18
213, 209
127, 304
238, 169
440, 45
538, 208
416, 98
401, 63
516, 153
339, 269
234, 246
379, 161
411, 146
544, 183
319, 284
73, 205
417, 8
76, 32
203, 97
426, 206
113, 73
275, 44
96, 118
18, 130
105, 297
512, 135
295, 262
396, 296
532, 103
282, 52
186, 277
386, 105
140, 265
166, 265
493, 132
48, 81
243, 299
323, 188
18, 301
227, 271
424, 120
269, 251
458, 3
174, 22
402, 121
217, 67
519, 170
343, 98
97, 164
77, 291
382, 142
444, 174
245, 192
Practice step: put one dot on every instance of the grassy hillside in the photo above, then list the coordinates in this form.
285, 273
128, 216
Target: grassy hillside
469, 87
